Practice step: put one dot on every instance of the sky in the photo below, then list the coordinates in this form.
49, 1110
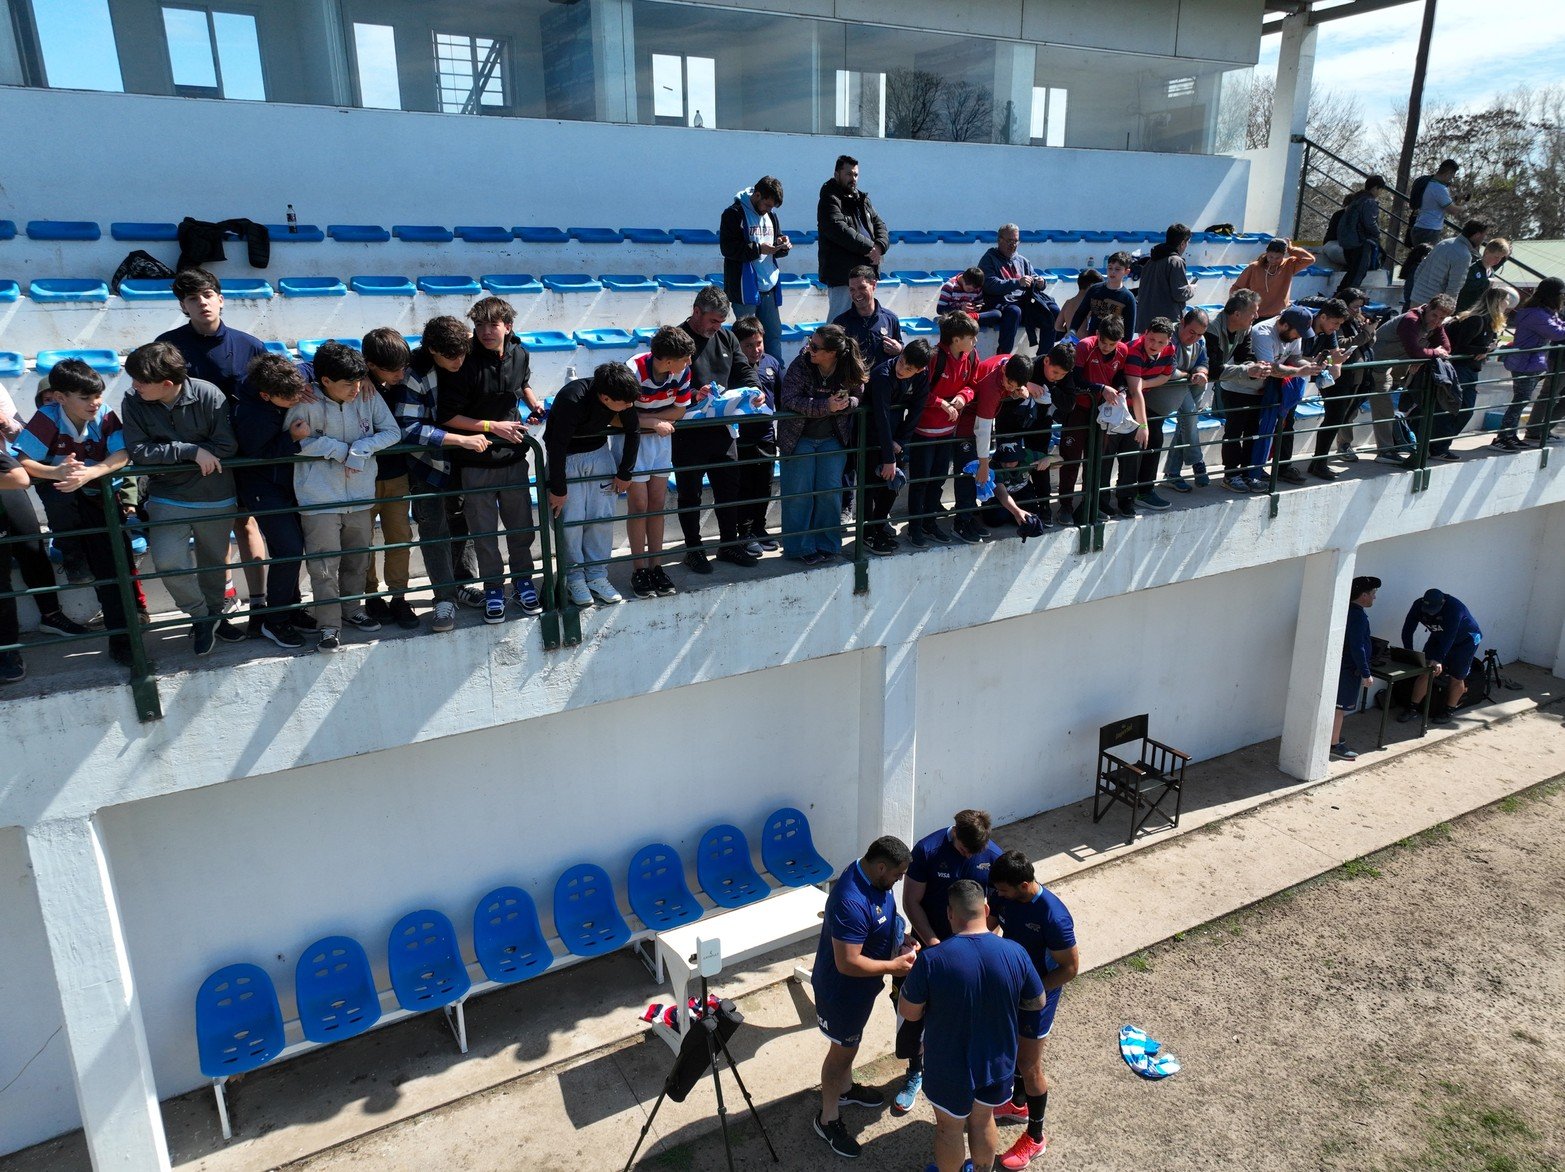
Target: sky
1480, 48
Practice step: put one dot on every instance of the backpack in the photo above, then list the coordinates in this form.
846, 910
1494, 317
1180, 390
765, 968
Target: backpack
139, 266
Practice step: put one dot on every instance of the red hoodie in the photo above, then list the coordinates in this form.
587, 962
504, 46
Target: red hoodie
988, 393
955, 385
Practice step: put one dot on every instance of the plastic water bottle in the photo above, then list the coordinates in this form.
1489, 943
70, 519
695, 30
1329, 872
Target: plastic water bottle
293, 221
570, 374
1092, 262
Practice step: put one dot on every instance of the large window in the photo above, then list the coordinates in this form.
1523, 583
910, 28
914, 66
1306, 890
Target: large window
1048, 116
684, 90
470, 73
214, 54
76, 39
861, 103
375, 66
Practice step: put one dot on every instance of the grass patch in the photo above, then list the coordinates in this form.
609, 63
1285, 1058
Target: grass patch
1468, 1132
1140, 963
1511, 804
1359, 869
1524, 1036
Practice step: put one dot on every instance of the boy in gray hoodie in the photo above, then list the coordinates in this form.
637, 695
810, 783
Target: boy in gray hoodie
343, 430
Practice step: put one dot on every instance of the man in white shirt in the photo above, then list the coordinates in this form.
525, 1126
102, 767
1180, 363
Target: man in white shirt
1436, 197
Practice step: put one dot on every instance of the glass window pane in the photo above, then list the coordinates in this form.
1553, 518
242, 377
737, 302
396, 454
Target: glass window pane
375, 51
1055, 134
701, 75
239, 53
1040, 111
668, 86
77, 39
190, 48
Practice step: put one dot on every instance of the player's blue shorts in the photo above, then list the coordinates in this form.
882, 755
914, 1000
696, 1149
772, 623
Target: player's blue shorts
1349, 685
1458, 660
843, 1019
956, 1096
1045, 1018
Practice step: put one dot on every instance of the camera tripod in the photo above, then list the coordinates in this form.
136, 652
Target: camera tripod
704, 1022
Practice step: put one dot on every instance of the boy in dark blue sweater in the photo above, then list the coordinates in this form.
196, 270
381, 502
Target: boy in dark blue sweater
757, 446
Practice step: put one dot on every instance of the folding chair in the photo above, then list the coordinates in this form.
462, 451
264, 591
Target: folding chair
507, 937
788, 850
1141, 784
724, 869
427, 971
239, 1027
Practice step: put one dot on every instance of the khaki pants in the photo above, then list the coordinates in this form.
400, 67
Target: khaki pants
325, 536
199, 590
394, 528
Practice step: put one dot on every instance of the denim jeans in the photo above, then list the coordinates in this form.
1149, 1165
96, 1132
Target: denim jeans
1522, 387
811, 483
770, 314
1186, 444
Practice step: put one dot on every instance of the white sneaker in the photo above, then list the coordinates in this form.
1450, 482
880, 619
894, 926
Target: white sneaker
579, 594
603, 590
445, 616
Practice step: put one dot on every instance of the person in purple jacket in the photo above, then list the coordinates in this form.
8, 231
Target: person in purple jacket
1540, 322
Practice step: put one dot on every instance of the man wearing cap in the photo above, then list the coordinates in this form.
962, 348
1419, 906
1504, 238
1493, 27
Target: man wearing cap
1453, 641
1355, 662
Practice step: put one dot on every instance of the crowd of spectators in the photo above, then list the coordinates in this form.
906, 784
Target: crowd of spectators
1106, 370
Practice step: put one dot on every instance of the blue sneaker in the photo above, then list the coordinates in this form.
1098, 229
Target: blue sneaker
908, 1095
525, 595
494, 606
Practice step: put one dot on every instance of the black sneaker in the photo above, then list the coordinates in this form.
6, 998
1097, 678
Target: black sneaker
698, 562
283, 634
378, 609
203, 636
662, 582
1127, 507
253, 626
882, 544
735, 555
935, 533
302, 619
915, 535
641, 584
836, 1134
402, 614
61, 624
231, 632
859, 1095
1322, 470
967, 533
12, 668
1406, 715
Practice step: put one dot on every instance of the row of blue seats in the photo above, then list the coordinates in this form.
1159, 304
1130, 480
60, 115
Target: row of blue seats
54, 290
239, 1023
543, 234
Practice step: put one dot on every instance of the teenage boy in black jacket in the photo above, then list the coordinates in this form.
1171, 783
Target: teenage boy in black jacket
897, 391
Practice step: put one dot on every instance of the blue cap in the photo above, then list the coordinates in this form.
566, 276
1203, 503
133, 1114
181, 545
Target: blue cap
1432, 601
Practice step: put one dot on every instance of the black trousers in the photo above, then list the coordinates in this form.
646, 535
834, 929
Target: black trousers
708, 452
755, 479
1240, 427
78, 510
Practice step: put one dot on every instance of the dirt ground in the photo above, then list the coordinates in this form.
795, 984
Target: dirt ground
1402, 1012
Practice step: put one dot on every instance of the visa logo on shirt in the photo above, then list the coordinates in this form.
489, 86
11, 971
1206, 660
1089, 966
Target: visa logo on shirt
946, 874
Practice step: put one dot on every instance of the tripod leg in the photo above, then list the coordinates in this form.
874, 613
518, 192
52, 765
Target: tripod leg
646, 1127
733, 1068
712, 1043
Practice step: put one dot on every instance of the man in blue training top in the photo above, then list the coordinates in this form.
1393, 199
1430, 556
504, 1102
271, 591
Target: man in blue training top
1035, 918
961, 851
861, 942
973, 989
1453, 641
1355, 662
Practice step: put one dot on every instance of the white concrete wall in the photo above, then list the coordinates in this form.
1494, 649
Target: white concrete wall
35, 1069
1010, 711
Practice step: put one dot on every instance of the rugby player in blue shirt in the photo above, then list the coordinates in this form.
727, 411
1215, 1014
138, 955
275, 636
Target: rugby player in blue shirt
1035, 918
975, 989
861, 943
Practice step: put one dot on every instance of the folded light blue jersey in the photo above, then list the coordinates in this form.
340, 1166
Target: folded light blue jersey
727, 402
1145, 1055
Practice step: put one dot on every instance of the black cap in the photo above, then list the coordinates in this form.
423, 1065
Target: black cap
1432, 601
1363, 584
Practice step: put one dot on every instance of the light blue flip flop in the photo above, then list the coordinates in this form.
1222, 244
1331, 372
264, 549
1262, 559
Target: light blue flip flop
1145, 1055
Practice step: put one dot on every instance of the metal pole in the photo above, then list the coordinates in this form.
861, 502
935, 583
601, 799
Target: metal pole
143, 685
1415, 110
860, 487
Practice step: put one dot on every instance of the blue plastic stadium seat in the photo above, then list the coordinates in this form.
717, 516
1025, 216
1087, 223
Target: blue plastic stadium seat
507, 938
9, 291
55, 289
1092, 237
1376, 307
12, 364
715, 279
647, 235
595, 235
908, 236
809, 327
586, 916
1034, 236
792, 333
1249, 237
945, 274
889, 281
919, 327
681, 282
1063, 274
643, 334
308, 346
300, 234
1204, 272
450, 286
958, 236
381, 286
788, 849
157, 289
277, 347
1231, 270
139, 230
248, 289
422, 233
724, 869
7, 229
335, 990
1208, 238
358, 233
571, 283
808, 236
1310, 407
312, 287
658, 893
702, 236
239, 1025
483, 233
539, 234
628, 283
510, 284
795, 283
1211, 308
1062, 236
425, 962
1319, 271
63, 230
605, 339
547, 341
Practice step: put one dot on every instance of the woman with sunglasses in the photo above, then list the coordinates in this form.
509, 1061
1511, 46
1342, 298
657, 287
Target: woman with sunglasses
820, 392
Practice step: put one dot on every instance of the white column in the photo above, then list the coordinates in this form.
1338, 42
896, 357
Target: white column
614, 55
1015, 66
103, 1027
888, 744
1290, 113
1316, 663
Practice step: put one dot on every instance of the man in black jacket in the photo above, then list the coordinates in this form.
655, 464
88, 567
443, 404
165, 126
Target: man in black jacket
709, 449
851, 233
898, 390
